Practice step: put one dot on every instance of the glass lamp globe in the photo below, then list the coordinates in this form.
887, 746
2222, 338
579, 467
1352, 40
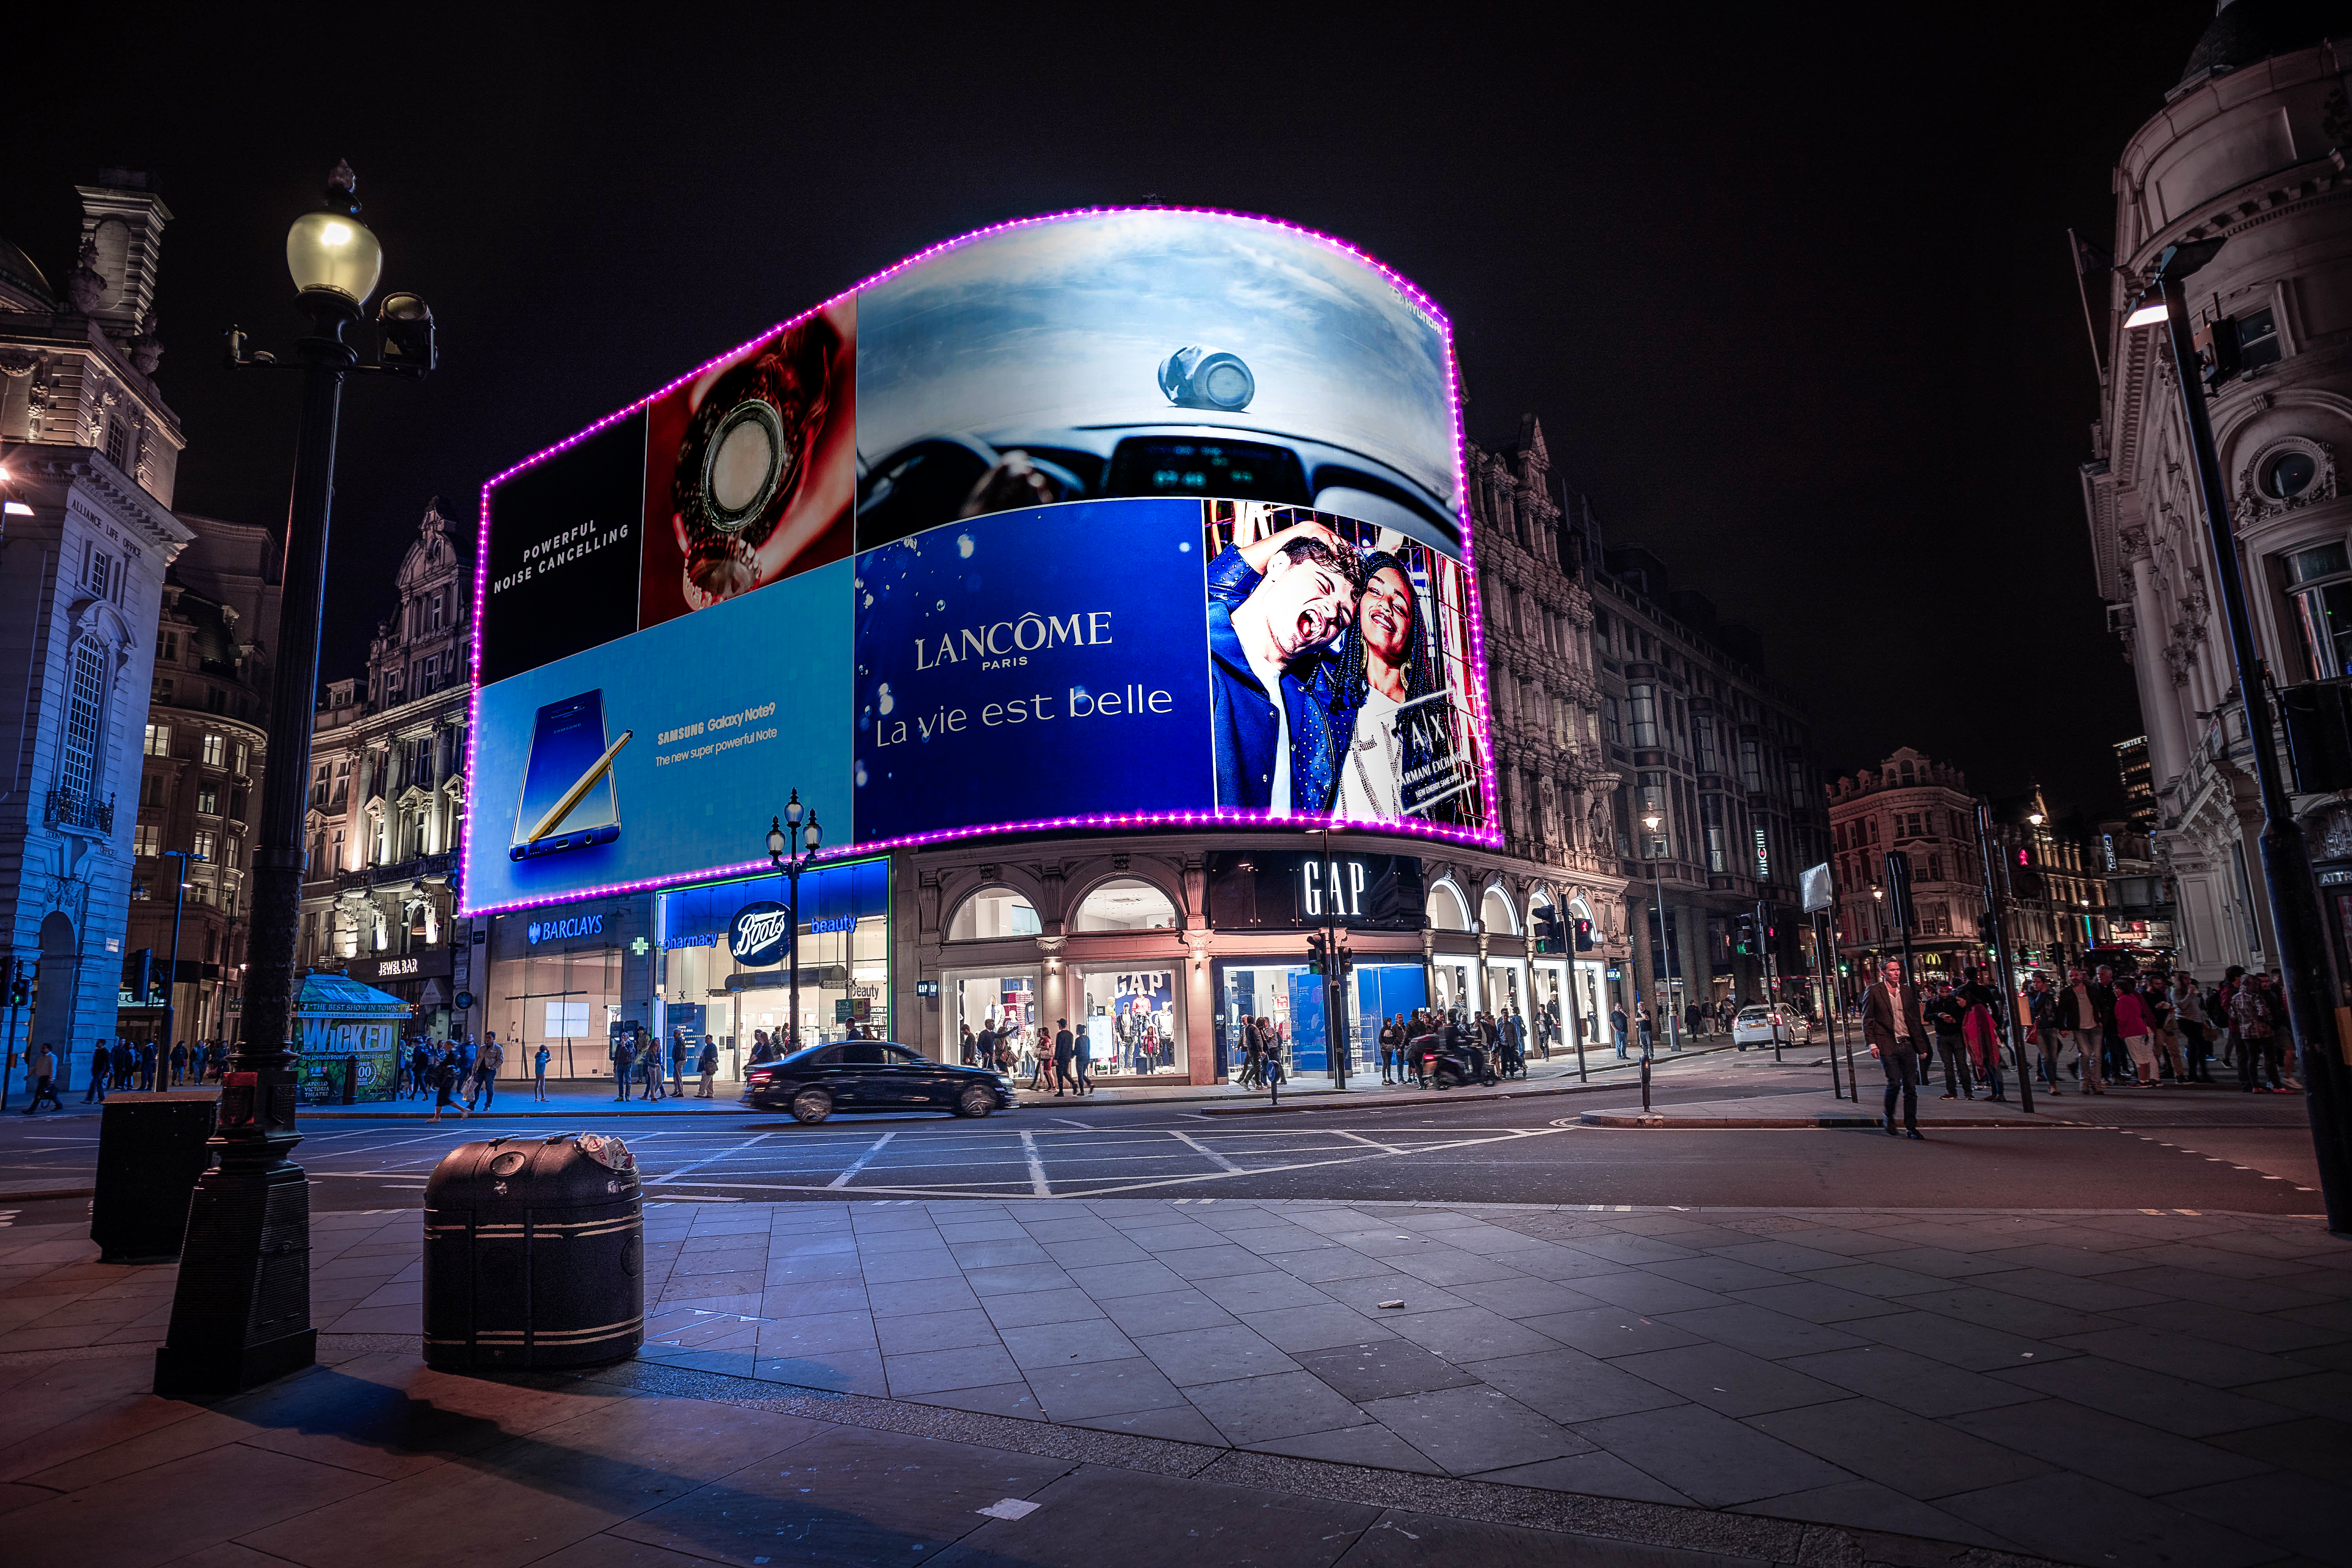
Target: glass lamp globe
775, 839
792, 809
334, 253
812, 834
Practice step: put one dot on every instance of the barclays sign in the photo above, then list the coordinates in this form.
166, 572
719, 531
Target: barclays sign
760, 934
559, 930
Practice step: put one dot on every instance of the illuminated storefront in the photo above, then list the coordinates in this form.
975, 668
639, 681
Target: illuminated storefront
719, 978
562, 977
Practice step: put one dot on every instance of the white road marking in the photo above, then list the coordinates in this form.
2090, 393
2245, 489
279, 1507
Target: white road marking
711, 1159
1204, 1150
1038, 1186
1383, 1148
860, 1163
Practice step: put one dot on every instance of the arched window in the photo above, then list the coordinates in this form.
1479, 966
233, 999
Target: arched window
994, 913
1446, 911
1124, 904
85, 708
1496, 910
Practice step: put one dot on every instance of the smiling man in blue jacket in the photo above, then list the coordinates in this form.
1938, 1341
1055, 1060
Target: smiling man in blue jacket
1275, 606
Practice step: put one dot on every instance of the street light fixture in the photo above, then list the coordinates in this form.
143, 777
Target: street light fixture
2287, 884
789, 859
241, 1311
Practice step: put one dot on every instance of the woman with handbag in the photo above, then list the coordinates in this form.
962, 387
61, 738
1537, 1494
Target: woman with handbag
1980, 1032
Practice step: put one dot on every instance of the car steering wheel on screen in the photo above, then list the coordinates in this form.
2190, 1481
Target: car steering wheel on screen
943, 478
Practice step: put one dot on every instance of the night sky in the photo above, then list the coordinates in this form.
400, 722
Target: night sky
1791, 293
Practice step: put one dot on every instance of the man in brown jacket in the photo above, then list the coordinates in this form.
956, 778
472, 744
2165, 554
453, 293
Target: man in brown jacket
1892, 1025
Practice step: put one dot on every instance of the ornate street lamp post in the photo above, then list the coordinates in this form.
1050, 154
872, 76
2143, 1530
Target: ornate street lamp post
241, 1312
171, 987
789, 851
1665, 990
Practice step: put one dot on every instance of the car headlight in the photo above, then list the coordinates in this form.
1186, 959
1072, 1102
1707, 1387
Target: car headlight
1195, 377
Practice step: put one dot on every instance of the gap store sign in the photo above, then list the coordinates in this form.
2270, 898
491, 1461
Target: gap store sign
1110, 519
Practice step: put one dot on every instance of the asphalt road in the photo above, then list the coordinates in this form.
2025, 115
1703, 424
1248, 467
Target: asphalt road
1528, 1150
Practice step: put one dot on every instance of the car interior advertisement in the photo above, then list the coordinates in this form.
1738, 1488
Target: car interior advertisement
1099, 518
634, 762
1150, 353
560, 571
750, 468
1032, 665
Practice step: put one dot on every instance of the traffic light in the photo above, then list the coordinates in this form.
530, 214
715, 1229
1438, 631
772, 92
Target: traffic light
20, 986
1898, 887
1343, 959
1584, 936
1551, 932
1746, 941
1316, 957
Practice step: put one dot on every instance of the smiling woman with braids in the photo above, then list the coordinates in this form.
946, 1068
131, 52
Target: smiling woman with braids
1384, 664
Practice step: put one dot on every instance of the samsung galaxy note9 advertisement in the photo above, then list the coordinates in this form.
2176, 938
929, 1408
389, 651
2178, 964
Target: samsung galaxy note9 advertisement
1103, 520
666, 751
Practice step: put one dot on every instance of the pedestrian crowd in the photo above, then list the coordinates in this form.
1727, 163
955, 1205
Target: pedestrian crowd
126, 1066
459, 1073
2159, 1030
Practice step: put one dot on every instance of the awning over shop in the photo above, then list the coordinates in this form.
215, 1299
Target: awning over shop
340, 997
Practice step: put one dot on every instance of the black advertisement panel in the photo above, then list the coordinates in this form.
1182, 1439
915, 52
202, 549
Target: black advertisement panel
1275, 891
562, 573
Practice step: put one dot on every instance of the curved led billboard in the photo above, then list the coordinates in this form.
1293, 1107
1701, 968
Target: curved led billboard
1112, 519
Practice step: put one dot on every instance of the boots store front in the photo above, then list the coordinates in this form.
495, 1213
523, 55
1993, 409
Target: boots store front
1071, 578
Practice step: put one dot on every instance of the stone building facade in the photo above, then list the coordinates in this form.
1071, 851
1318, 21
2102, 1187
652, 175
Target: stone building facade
1923, 808
202, 762
86, 538
1721, 754
2249, 147
387, 793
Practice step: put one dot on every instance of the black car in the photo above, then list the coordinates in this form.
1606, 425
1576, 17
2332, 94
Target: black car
873, 1074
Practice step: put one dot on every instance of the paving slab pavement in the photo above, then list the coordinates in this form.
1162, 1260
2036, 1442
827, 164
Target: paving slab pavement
2195, 1105
1939, 1376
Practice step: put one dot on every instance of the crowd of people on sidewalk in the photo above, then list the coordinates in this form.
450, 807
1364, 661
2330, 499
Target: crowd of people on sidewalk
657, 1071
2151, 1030
126, 1066
2158, 1029
459, 1073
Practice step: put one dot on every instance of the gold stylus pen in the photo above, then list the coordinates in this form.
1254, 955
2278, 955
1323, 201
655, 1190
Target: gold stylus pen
562, 808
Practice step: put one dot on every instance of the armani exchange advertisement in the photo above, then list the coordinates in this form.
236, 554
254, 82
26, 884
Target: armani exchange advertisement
1084, 520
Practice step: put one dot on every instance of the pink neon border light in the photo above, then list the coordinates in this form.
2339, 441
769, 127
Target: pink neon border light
1488, 838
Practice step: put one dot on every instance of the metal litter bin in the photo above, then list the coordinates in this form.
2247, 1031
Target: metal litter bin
151, 1150
534, 1254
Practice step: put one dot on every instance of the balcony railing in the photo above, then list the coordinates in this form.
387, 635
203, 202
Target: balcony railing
70, 808
409, 871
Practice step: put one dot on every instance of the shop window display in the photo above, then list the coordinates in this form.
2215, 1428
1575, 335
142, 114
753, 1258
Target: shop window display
998, 1004
1291, 999
1130, 1024
558, 990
